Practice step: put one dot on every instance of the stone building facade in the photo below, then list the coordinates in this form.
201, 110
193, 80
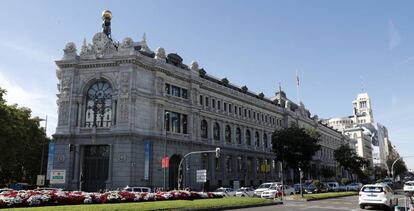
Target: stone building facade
123, 107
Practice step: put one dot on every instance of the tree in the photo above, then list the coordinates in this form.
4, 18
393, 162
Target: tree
295, 146
353, 163
21, 141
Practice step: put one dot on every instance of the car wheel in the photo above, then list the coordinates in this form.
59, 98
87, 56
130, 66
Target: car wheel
361, 206
291, 193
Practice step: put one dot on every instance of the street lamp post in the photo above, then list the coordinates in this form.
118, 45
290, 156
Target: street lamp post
43, 146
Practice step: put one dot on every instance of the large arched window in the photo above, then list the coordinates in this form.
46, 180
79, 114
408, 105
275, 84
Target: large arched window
216, 131
265, 140
257, 139
238, 136
99, 105
248, 138
227, 134
204, 129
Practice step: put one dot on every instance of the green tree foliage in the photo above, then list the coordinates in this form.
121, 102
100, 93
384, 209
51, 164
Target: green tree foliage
348, 158
399, 167
327, 173
21, 141
295, 146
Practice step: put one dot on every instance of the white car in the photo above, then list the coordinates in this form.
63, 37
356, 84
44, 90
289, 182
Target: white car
265, 186
376, 195
245, 192
409, 186
354, 186
271, 193
332, 186
225, 191
288, 190
138, 189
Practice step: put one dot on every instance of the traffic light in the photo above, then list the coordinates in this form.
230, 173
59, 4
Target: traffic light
217, 152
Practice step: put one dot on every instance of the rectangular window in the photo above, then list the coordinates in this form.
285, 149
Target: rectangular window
184, 93
207, 101
167, 89
254, 115
213, 103
229, 108
175, 122
240, 111
217, 162
175, 91
250, 114
228, 163
218, 104
245, 112
184, 121
201, 99
225, 106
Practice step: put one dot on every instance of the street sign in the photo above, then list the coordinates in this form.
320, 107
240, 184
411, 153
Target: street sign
40, 180
201, 175
57, 176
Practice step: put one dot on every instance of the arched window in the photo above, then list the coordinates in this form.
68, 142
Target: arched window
238, 136
204, 129
227, 134
265, 140
248, 138
257, 139
99, 105
216, 131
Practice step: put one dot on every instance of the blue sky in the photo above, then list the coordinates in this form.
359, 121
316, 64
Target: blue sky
336, 46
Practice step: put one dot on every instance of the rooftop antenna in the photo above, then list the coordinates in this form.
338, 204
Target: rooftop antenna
106, 25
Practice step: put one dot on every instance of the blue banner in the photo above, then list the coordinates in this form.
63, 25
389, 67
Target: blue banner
147, 159
50, 157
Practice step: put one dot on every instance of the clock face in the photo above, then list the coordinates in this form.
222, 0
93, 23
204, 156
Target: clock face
100, 40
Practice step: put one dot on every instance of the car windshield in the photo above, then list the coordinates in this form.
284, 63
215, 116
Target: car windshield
220, 190
409, 184
311, 186
264, 186
372, 189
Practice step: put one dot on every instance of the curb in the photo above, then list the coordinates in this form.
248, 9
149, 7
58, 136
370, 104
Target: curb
329, 198
240, 207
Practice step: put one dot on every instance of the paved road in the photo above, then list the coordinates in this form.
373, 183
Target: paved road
338, 204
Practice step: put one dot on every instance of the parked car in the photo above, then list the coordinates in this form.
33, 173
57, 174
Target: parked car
138, 189
297, 188
265, 186
245, 192
388, 181
287, 190
376, 195
51, 189
225, 191
5, 189
409, 186
354, 186
320, 188
332, 186
271, 193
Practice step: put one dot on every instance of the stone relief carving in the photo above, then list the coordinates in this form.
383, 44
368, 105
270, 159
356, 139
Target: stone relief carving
65, 86
124, 110
127, 43
63, 113
194, 66
69, 51
102, 47
124, 84
160, 54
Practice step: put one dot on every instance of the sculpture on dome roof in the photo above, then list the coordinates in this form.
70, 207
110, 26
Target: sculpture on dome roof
160, 54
